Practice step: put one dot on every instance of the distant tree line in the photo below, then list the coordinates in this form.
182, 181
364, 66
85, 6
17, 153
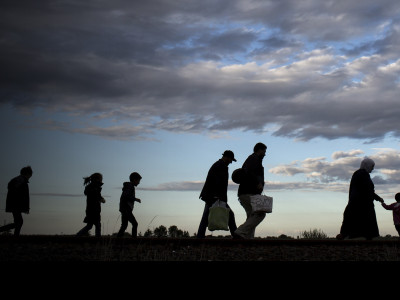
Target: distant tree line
162, 231
174, 232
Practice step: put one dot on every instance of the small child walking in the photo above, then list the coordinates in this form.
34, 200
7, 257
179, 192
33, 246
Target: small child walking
395, 207
126, 204
94, 199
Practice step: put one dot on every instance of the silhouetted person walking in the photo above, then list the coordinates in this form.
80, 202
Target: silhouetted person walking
17, 201
93, 185
216, 188
252, 183
359, 218
126, 204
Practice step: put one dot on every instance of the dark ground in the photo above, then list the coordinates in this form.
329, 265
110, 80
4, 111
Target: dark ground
32, 248
68, 265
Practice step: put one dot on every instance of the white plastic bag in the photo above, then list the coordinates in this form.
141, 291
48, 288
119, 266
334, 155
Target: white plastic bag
261, 203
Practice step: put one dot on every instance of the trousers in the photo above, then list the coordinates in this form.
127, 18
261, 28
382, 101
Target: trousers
253, 219
17, 225
89, 226
201, 232
125, 218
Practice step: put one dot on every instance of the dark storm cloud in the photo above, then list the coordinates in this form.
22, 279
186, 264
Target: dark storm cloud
206, 66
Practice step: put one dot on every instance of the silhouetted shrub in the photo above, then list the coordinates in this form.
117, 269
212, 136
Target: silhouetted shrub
313, 234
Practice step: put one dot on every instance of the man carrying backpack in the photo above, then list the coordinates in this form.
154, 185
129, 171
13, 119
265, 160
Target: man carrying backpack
251, 183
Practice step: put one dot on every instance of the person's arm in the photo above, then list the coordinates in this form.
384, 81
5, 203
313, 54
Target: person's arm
132, 196
378, 198
388, 207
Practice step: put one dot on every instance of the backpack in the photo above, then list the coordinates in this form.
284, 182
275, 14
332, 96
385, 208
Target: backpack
236, 175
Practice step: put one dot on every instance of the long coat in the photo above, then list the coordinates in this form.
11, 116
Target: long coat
216, 185
18, 195
359, 218
93, 202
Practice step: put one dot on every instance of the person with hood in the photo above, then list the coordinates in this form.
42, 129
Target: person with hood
359, 218
216, 188
17, 201
93, 185
126, 204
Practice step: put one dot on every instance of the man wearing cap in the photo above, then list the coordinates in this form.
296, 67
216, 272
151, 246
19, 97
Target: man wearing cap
216, 188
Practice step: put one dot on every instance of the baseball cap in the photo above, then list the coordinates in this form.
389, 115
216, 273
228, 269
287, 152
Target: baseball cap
229, 153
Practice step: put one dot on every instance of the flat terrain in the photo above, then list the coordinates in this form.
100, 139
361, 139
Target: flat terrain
32, 248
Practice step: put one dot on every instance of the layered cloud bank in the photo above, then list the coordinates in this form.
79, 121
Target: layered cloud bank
302, 70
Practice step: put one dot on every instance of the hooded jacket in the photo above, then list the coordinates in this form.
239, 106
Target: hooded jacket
128, 197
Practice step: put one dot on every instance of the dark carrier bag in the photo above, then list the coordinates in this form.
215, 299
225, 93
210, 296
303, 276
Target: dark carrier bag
237, 175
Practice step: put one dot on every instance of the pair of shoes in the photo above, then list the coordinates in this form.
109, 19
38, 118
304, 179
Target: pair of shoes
340, 237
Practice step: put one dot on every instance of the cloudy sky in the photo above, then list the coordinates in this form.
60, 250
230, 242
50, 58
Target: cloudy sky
164, 87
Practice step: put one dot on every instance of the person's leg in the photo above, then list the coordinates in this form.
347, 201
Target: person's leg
124, 225
201, 232
397, 226
132, 220
18, 221
85, 229
7, 227
232, 222
97, 229
247, 229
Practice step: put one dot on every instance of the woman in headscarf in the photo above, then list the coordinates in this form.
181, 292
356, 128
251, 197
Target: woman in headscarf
359, 218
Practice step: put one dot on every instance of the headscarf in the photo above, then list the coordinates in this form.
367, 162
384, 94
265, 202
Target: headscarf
367, 164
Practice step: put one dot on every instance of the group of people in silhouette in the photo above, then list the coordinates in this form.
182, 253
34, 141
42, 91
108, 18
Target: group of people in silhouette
359, 217
93, 185
18, 202
251, 183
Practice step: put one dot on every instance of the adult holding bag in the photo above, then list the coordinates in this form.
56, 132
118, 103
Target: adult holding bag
215, 189
251, 183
